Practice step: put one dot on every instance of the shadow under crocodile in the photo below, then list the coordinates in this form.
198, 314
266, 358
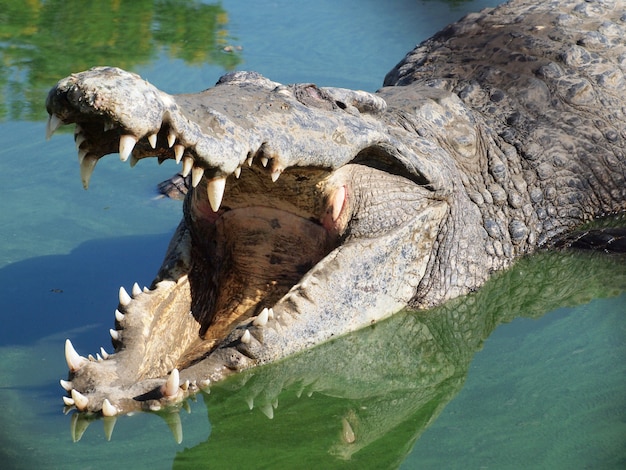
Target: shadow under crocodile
364, 399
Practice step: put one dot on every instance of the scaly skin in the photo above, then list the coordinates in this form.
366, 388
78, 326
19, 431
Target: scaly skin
317, 211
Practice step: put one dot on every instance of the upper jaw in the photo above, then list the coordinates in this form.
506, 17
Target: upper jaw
217, 131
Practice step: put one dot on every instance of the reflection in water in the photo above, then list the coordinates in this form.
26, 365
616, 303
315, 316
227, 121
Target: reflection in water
125, 33
364, 399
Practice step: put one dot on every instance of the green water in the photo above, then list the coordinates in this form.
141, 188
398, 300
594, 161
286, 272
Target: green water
529, 372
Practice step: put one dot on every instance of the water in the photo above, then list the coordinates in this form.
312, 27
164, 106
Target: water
445, 389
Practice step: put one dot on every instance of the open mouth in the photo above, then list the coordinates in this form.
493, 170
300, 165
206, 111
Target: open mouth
298, 200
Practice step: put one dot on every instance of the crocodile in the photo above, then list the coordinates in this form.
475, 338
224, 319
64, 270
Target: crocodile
314, 211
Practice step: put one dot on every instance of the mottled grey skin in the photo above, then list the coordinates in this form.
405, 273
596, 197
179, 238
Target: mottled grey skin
497, 135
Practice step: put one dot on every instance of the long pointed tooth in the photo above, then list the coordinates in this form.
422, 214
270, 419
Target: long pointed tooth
133, 161
187, 166
215, 192
261, 319
108, 409
109, 425
270, 313
275, 175
178, 152
78, 426
68, 401
67, 385
237, 172
136, 290
171, 385
176, 426
80, 400
98, 357
105, 355
127, 144
91, 358
119, 316
267, 410
74, 360
54, 122
114, 334
152, 138
125, 299
86, 169
196, 175
347, 432
79, 138
171, 139
81, 155
245, 337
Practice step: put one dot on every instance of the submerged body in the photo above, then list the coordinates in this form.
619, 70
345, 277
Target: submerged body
317, 211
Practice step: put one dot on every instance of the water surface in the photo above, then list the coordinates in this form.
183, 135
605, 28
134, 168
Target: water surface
445, 389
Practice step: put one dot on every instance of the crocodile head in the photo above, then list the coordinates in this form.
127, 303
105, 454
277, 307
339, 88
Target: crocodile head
309, 216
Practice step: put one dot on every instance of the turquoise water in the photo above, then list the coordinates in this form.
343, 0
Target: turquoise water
445, 389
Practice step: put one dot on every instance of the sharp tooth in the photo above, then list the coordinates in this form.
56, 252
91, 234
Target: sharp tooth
250, 402
171, 385
105, 355
136, 290
275, 175
270, 313
54, 122
86, 169
74, 360
114, 334
187, 166
267, 410
249, 161
178, 152
91, 358
171, 139
119, 316
347, 431
237, 172
67, 386
245, 338
108, 409
81, 155
78, 426
185, 385
68, 401
145, 290
80, 400
175, 425
109, 424
98, 357
261, 319
125, 299
79, 138
127, 144
196, 175
215, 192
264, 161
133, 160
152, 138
